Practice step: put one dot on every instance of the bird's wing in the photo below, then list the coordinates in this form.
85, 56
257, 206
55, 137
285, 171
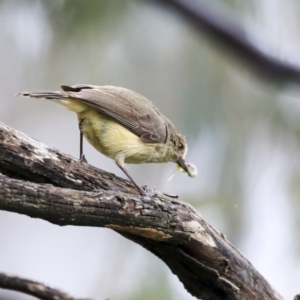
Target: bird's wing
129, 108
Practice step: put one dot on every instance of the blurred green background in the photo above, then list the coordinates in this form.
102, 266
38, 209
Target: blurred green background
243, 134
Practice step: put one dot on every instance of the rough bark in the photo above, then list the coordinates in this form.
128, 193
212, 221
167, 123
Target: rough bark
43, 183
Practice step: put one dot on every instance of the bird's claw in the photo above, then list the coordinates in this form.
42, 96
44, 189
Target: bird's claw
148, 192
83, 159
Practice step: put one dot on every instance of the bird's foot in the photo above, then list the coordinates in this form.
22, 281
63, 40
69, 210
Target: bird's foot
148, 192
154, 193
83, 159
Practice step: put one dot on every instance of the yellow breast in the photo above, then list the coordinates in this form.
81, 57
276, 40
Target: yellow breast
111, 138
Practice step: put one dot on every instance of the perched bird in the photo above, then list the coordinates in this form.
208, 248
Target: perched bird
122, 125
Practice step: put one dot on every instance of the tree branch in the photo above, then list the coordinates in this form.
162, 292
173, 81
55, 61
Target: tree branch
202, 258
33, 288
24, 158
218, 22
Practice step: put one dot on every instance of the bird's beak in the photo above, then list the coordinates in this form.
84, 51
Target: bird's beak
181, 163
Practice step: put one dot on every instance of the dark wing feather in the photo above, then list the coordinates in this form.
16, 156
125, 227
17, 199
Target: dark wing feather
129, 108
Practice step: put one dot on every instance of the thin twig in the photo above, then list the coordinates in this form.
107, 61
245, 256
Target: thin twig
33, 288
221, 24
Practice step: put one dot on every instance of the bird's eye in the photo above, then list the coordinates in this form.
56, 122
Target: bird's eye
180, 146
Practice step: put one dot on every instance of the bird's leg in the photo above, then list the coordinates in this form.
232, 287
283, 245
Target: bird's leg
119, 159
81, 155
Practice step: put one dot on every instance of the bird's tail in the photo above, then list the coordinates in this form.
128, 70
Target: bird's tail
62, 98
42, 94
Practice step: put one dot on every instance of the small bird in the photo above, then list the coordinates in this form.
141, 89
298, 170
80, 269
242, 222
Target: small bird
122, 125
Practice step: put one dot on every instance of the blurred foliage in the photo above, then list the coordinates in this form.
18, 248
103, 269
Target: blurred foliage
74, 18
155, 287
243, 130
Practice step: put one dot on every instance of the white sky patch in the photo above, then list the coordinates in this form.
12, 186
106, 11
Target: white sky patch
26, 23
280, 39
269, 212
